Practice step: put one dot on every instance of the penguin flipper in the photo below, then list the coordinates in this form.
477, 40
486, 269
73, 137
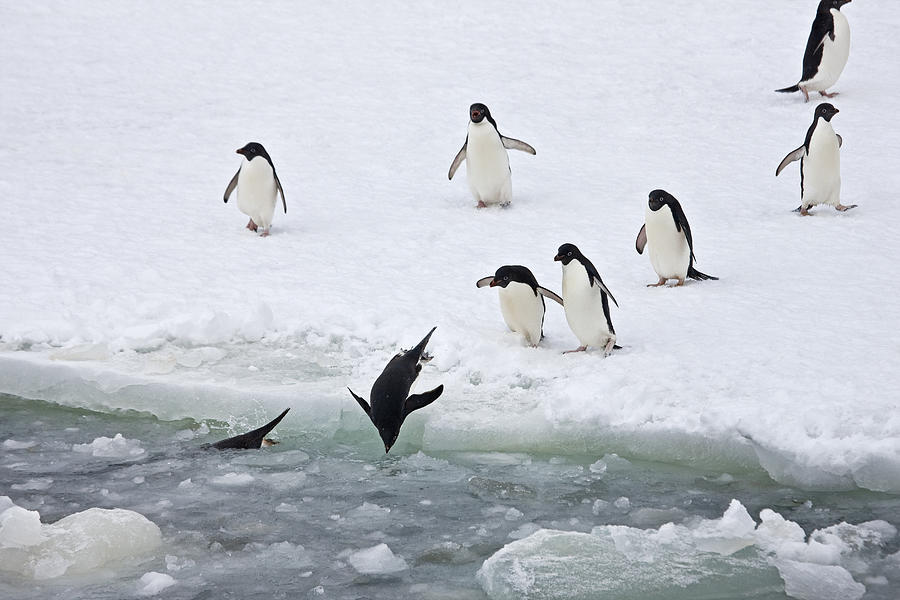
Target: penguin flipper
280, 190
548, 294
791, 157
362, 403
514, 144
460, 157
417, 401
484, 281
231, 185
641, 240
840, 140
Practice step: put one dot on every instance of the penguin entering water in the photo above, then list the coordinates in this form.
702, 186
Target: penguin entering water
390, 404
521, 300
667, 232
586, 301
487, 164
827, 50
252, 439
820, 163
257, 187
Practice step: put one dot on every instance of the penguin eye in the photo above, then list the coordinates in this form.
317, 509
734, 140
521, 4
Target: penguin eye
506, 278
570, 254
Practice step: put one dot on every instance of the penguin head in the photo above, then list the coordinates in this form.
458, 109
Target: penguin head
826, 111
567, 252
658, 199
513, 273
388, 436
252, 150
478, 112
826, 5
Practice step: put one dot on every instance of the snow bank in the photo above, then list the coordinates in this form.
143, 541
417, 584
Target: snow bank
732, 553
79, 543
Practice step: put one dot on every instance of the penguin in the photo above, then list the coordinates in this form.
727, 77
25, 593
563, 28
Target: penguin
521, 300
251, 440
586, 301
667, 231
820, 163
827, 50
257, 186
390, 404
487, 164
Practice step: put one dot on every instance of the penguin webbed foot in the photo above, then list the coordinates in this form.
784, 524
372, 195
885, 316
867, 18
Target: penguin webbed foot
578, 349
609, 348
827, 95
662, 281
805, 94
843, 208
251, 225
481, 204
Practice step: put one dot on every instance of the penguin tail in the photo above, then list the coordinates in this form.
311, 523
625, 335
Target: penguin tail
695, 274
787, 90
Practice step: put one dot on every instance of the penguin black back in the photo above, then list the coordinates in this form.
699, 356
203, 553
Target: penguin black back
250, 440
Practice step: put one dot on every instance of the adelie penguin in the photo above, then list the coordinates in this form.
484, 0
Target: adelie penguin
586, 301
820, 163
668, 234
390, 399
487, 164
257, 187
521, 300
252, 439
827, 50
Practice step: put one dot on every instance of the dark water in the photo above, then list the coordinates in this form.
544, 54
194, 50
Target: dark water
285, 521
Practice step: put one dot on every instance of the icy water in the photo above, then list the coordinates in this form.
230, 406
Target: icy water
305, 518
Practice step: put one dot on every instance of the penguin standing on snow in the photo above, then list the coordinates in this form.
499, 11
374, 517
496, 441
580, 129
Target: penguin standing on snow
586, 301
257, 187
827, 50
820, 163
390, 404
487, 164
521, 300
667, 232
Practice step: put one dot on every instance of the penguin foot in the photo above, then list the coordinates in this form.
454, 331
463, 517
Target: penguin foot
251, 225
578, 349
805, 213
805, 94
609, 347
843, 208
827, 95
680, 283
265, 233
481, 204
659, 283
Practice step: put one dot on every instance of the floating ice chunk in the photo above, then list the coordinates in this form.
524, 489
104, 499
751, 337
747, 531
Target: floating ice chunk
599, 506
75, 544
233, 479
513, 514
369, 511
281, 554
38, 484
622, 503
153, 583
598, 468
734, 531
117, 447
14, 445
377, 560
808, 581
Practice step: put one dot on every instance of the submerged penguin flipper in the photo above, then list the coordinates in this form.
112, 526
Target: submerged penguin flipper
460, 157
641, 240
417, 401
251, 439
548, 294
514, 144
231, 185
791, 157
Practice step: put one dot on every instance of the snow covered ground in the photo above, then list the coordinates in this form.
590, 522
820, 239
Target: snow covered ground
127, 283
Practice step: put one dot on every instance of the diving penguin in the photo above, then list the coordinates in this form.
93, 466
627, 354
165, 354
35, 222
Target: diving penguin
586, 301
827, 50
390, 404
252, 439
521, 300
257, 187
820, 163
487, 164
668, 234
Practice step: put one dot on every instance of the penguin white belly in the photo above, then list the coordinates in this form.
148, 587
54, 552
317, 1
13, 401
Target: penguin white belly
822, 167
834, 55
583, 305
669, 252
523, 311
256, 191
487, 165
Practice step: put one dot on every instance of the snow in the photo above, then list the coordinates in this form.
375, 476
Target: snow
79, 543
128, 284
377, 560
686, 560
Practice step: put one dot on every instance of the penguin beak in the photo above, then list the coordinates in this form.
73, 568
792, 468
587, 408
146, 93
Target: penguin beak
239, 151
557, 257
494, 283
387, 448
